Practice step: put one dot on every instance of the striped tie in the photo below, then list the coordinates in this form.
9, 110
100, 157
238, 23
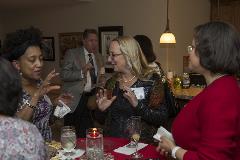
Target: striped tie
92, 70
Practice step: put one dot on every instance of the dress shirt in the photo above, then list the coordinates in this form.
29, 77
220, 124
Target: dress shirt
88, 85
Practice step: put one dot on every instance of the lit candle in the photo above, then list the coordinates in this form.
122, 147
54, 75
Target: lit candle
94, 133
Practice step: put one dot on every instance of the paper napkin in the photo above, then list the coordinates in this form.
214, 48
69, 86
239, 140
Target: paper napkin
61, 110
163, 132
77, 153
128, 151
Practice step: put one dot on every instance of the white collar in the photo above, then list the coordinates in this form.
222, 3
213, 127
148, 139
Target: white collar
86, 52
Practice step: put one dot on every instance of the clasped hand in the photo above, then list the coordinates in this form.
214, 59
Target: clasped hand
87, 67
165, 146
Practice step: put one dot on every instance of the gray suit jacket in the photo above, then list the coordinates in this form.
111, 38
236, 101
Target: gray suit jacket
73, 82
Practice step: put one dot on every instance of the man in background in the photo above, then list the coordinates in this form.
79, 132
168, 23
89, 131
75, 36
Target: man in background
81, 71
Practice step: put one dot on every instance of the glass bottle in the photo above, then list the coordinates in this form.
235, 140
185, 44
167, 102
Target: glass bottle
185, 81
177, 83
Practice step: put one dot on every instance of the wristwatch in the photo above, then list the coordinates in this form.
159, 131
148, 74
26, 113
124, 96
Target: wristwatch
174, 150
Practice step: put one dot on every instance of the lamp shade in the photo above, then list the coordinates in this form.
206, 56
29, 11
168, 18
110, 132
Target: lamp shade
167, 37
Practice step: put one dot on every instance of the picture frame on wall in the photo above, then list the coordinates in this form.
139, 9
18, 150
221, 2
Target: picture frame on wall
68, 41
48, 48
106, 34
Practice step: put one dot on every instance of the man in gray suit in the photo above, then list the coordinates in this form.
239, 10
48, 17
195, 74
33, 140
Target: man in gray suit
81, 70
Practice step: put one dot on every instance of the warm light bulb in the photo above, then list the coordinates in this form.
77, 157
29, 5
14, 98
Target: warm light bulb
167, 38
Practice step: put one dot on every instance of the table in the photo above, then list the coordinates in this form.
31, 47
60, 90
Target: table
183, 96
187, 94
111, 143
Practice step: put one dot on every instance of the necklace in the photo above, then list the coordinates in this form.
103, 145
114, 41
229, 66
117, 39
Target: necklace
126, 81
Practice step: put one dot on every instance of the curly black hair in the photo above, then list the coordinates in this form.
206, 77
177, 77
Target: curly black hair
16, 43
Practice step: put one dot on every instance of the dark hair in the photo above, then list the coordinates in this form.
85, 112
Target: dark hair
10, 88
146, 46
16, 43
89, 31
218, 47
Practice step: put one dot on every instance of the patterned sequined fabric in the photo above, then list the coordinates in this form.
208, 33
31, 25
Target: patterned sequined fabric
20, 140
120, 110
41, 115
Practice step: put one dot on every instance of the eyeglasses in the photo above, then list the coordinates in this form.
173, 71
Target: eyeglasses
190, 48
115, 55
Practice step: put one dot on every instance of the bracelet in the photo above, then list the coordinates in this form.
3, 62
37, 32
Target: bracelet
174, 150
29, 105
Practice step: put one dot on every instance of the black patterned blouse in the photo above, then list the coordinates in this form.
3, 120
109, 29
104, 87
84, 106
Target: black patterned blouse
152, 109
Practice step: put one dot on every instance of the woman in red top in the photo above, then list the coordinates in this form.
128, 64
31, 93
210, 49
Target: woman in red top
208, 127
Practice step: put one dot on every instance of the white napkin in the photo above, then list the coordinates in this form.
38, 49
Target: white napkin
88, 85
77, 153
128, 151
163, 132
61, 110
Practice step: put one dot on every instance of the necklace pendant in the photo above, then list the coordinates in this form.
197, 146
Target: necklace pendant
127, 81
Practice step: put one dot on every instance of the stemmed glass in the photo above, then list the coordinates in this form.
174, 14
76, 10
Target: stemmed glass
68, 140
136, 132
129, 131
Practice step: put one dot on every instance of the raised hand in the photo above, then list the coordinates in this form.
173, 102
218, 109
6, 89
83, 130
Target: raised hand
46, 87
130, 96
65, 98
102, 101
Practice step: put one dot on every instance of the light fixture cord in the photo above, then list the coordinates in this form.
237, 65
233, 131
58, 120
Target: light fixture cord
218, 5
167, 26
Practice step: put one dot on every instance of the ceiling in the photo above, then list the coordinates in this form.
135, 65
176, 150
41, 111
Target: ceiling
33, 4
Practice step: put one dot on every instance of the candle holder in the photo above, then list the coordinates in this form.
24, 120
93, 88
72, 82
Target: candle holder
94, 143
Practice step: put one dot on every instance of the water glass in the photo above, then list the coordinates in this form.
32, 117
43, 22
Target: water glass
68, 140
94, 144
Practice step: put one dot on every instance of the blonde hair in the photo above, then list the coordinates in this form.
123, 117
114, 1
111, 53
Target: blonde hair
134, 56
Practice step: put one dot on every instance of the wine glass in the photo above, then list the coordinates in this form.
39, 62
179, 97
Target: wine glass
136, 132
129, 131
68, 140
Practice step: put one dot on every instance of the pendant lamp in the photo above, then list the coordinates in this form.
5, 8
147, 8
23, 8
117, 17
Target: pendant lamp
167, 36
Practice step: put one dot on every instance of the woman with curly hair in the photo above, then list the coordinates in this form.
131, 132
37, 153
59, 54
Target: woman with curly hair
19, 139
23, 49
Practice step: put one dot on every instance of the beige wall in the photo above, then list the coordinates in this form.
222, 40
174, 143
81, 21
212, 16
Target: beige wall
1, 30
137, 16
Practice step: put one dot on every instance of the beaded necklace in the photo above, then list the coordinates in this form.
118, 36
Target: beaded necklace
127, 81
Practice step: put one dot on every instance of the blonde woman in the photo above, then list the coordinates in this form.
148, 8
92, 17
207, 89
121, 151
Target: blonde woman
132, 72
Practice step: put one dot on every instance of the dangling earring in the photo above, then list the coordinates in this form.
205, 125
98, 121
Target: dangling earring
20, 73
